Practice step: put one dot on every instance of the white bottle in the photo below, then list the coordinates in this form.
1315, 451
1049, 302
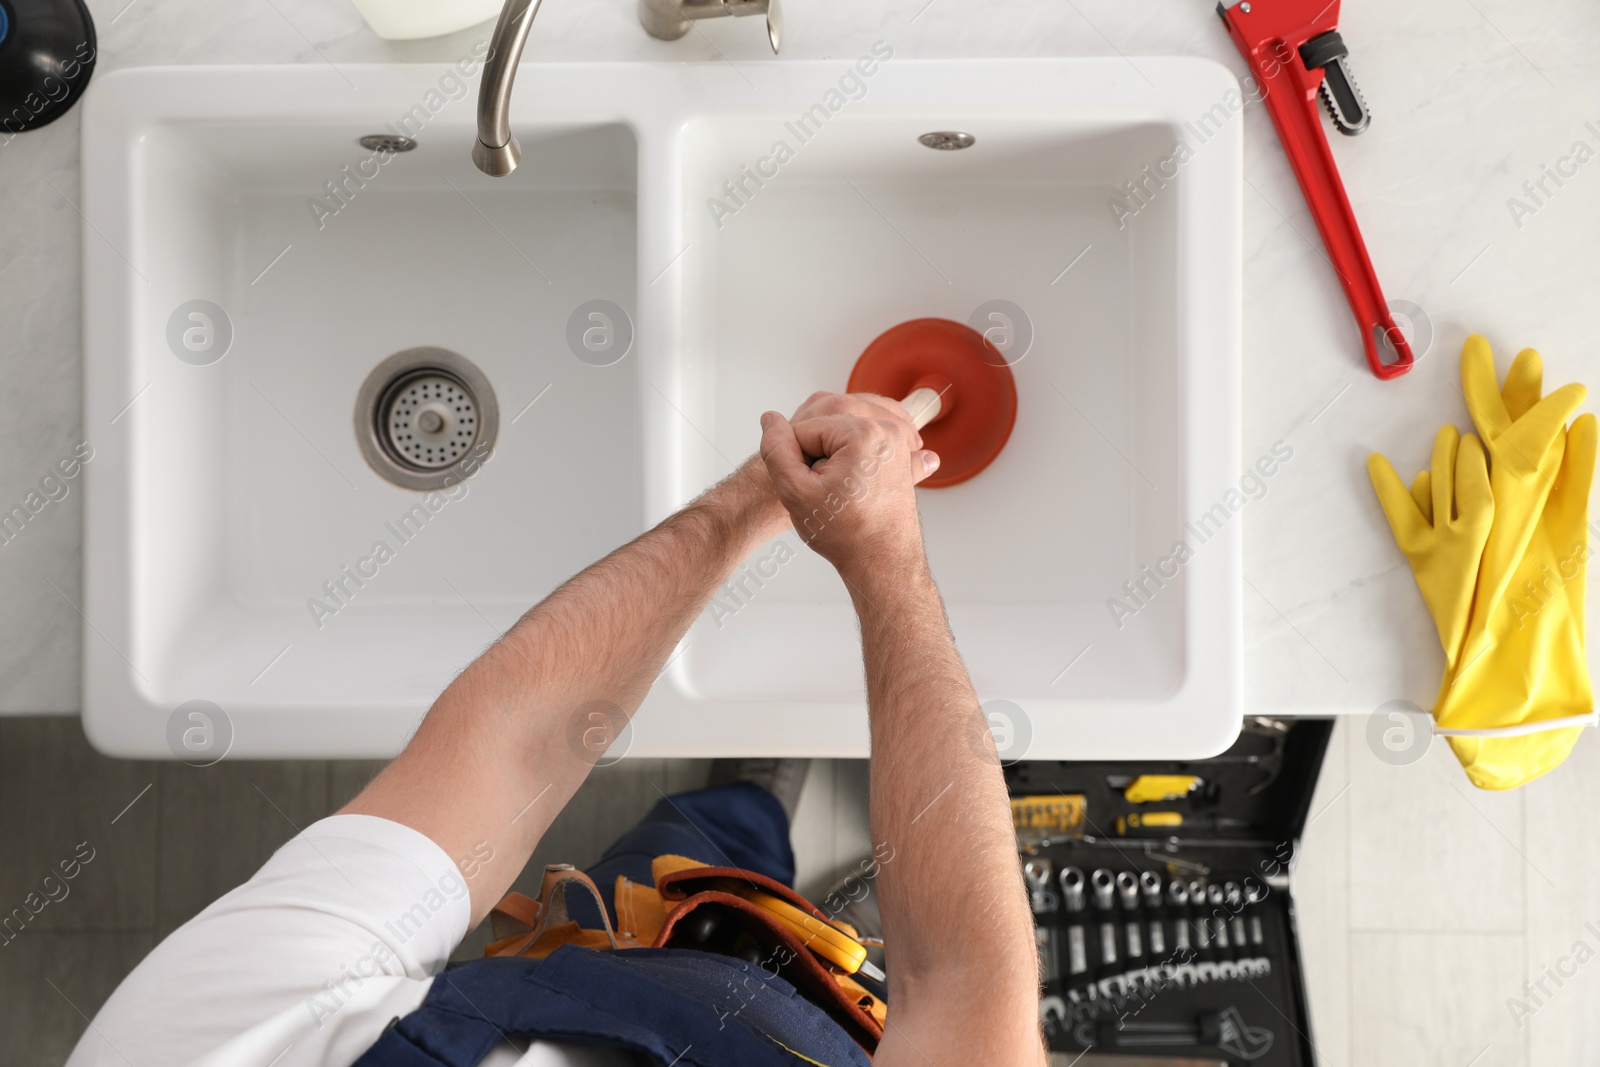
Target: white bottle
405, 20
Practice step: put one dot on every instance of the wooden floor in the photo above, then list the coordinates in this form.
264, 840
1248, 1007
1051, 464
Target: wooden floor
1424, 904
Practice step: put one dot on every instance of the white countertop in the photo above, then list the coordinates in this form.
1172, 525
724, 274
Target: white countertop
1469, 100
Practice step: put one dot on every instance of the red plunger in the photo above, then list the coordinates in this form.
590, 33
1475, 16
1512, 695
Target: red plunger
956, 385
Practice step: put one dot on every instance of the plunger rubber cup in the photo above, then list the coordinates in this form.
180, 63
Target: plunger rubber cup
977, 394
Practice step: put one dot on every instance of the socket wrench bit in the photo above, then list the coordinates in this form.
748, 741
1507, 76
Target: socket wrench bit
1178, 893
1150, 886
1197, 893
1214, 895
1077, 955
1102, 884
1255, 892
1158, 940
1108, 944
1231, 893
1036, 872
1072, 888
1128, 889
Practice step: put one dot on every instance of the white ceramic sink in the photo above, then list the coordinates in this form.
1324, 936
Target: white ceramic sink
225, 494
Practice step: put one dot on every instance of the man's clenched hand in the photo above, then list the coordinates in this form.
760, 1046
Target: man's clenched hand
845, 469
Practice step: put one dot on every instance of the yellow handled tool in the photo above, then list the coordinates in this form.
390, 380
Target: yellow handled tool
821, 937
1159, 788
1149, 820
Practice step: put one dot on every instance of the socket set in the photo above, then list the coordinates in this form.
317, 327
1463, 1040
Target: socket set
1164, 917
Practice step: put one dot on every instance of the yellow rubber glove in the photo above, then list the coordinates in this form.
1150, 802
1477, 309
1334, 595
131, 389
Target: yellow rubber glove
1525, 448
1518, 605
1441, 524
1523, 663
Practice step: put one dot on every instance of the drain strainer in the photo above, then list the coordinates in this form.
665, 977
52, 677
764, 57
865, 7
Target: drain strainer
426, 418
432, 421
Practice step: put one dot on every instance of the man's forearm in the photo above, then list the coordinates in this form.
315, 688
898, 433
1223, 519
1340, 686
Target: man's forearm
514, 735
956, 923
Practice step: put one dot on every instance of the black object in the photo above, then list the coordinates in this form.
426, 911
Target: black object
47, 54
1223, 1030
1346, 106
1227, 976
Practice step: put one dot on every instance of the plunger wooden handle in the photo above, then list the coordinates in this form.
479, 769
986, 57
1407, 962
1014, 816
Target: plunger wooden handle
923, 404
931, 398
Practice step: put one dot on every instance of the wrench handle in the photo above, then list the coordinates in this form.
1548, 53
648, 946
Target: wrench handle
1268, 36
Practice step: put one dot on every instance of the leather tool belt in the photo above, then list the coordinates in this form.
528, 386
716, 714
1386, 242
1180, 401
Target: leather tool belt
723, 910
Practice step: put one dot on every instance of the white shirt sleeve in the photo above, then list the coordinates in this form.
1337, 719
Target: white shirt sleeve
340, 932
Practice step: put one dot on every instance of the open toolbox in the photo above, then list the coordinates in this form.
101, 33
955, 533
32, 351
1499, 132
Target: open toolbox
1162, 900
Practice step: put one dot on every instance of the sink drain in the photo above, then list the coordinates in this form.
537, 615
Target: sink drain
423, 415
431, 421
947, 140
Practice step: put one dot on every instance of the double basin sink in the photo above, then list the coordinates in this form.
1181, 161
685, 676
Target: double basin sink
683, 247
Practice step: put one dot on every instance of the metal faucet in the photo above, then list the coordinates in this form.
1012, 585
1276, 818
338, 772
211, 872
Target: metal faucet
669, 21
496, 151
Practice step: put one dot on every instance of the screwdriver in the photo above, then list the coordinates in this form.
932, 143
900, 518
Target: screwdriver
1142, 823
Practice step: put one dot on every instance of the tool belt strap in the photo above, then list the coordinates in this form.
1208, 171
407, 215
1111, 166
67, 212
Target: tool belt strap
650, 916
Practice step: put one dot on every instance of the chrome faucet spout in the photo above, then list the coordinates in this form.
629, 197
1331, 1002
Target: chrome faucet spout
496, 152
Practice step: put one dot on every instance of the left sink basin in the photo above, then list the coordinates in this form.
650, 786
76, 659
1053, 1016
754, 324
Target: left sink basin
248, 265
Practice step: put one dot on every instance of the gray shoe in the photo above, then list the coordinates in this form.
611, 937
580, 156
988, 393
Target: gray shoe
783, 778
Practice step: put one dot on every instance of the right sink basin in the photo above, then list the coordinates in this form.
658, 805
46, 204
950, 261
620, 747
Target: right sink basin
1092, 229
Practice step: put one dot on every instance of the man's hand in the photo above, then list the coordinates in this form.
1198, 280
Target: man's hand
845, 469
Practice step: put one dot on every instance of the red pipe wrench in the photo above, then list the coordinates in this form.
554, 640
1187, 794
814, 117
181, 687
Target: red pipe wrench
1295, 52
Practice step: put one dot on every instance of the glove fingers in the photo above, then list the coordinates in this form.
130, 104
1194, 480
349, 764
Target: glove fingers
1534, 434
1445, 444
1577, 466
1524, 383
1473, 495
1405, 519
1422, 494
1482, 390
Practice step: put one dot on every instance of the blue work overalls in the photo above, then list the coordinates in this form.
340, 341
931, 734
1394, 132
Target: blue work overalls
680, 1006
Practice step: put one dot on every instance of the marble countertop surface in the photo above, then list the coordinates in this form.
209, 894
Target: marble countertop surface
1471, 99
